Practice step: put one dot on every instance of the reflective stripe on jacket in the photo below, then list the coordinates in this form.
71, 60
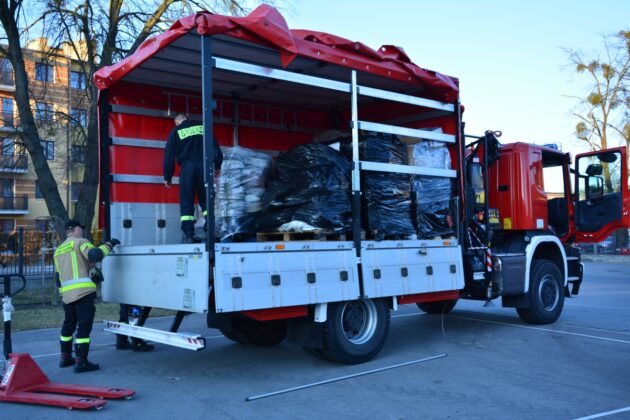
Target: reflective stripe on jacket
72, 265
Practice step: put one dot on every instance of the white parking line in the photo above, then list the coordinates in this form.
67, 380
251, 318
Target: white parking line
607, 413
542, 329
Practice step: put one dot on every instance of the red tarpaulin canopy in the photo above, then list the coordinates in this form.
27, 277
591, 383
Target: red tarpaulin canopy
264, 38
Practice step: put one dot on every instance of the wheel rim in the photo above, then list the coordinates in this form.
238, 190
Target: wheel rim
549, 292
358, 321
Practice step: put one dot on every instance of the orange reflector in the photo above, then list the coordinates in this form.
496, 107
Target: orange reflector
446, 243
280, 246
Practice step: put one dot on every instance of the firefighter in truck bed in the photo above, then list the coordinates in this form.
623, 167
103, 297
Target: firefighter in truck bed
185, 144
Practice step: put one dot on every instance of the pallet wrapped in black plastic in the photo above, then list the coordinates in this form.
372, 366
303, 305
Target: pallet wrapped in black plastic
239, 188
386, 196
310, 184
432, 195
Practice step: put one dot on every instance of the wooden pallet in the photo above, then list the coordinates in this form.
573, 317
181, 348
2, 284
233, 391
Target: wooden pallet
315, 235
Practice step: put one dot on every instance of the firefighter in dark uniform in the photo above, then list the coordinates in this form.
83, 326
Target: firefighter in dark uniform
73, 260
185, 144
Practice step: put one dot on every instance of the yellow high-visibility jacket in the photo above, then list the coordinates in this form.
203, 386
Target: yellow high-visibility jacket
72, 265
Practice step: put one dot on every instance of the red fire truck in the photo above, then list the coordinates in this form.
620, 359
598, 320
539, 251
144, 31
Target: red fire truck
258, 85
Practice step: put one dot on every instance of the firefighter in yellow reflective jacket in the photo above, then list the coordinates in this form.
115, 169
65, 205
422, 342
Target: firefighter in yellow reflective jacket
73, 260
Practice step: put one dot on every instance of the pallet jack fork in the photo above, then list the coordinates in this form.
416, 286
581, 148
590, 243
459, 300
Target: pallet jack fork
24, 382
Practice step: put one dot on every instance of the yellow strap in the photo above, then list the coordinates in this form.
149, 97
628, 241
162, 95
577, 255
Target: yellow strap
187, 218
82, 340
67, 247
75, 265
86, 245
62, 338
86, 285
105, 249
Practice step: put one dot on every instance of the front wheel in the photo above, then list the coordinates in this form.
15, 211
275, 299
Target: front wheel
545, 292
355, 331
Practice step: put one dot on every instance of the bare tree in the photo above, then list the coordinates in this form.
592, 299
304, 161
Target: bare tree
100, 33
602, 113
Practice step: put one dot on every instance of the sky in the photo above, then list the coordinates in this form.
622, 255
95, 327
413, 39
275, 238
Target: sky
507, 54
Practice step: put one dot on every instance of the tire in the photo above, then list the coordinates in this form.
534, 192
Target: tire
546, 292
355, 331
256, 333
438, 307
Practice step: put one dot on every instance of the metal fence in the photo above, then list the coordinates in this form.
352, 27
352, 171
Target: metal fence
616, 244
29, 252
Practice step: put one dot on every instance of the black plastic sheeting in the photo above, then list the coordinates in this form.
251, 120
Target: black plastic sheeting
432, 194
311, 184
386, 196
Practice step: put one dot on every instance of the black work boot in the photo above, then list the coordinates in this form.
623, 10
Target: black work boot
188, 239
188, 227
66, 354
122, 343
138, 344
82, 364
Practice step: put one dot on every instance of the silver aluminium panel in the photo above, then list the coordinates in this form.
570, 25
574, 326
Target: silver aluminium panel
259, 275
394, 268
167, 276
138, 223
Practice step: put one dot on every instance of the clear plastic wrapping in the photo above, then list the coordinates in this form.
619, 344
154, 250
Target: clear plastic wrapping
432, 195
310, 184
239, 190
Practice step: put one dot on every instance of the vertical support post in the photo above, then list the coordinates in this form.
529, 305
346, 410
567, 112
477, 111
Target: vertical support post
462, 228
207, 63
104, 142
21, 251
356, 168
6, 308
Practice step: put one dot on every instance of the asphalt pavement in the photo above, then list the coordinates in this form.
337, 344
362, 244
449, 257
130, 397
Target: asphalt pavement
495, 367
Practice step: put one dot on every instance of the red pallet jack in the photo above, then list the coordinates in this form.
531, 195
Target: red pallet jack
24, 382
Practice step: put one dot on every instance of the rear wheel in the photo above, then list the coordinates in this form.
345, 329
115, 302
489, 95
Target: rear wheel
438, 307
355, 331
546, 294
256, 333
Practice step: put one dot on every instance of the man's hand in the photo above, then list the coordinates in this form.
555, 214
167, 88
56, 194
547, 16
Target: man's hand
168, 183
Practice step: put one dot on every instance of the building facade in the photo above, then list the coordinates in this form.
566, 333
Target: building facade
60, 106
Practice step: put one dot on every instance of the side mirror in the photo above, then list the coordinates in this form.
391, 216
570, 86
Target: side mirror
594, 169
595, 187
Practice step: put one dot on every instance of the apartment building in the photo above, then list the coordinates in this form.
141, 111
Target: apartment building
59, 102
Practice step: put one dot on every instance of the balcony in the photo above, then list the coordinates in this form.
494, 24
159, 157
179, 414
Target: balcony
14, 204
14, 163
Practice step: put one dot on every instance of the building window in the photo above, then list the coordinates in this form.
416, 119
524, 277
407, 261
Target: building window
38, 192
43, 111
43, 72
6, 78
49, 149
75, 188
77, 80
77, 154
7, 225
78, 117
7, 112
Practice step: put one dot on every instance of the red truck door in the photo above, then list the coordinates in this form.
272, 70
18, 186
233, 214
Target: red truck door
601, 198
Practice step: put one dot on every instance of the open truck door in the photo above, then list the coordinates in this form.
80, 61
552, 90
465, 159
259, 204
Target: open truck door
602, 199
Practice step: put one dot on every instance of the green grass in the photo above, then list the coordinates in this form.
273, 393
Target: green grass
33, 318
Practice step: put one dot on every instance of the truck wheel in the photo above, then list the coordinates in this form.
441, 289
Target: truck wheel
546, 294
256, 333
355, 331
437, 307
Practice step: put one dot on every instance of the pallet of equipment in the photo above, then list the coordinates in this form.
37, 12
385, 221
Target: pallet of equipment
314, 235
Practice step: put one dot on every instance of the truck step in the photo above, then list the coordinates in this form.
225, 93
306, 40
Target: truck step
183, 340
